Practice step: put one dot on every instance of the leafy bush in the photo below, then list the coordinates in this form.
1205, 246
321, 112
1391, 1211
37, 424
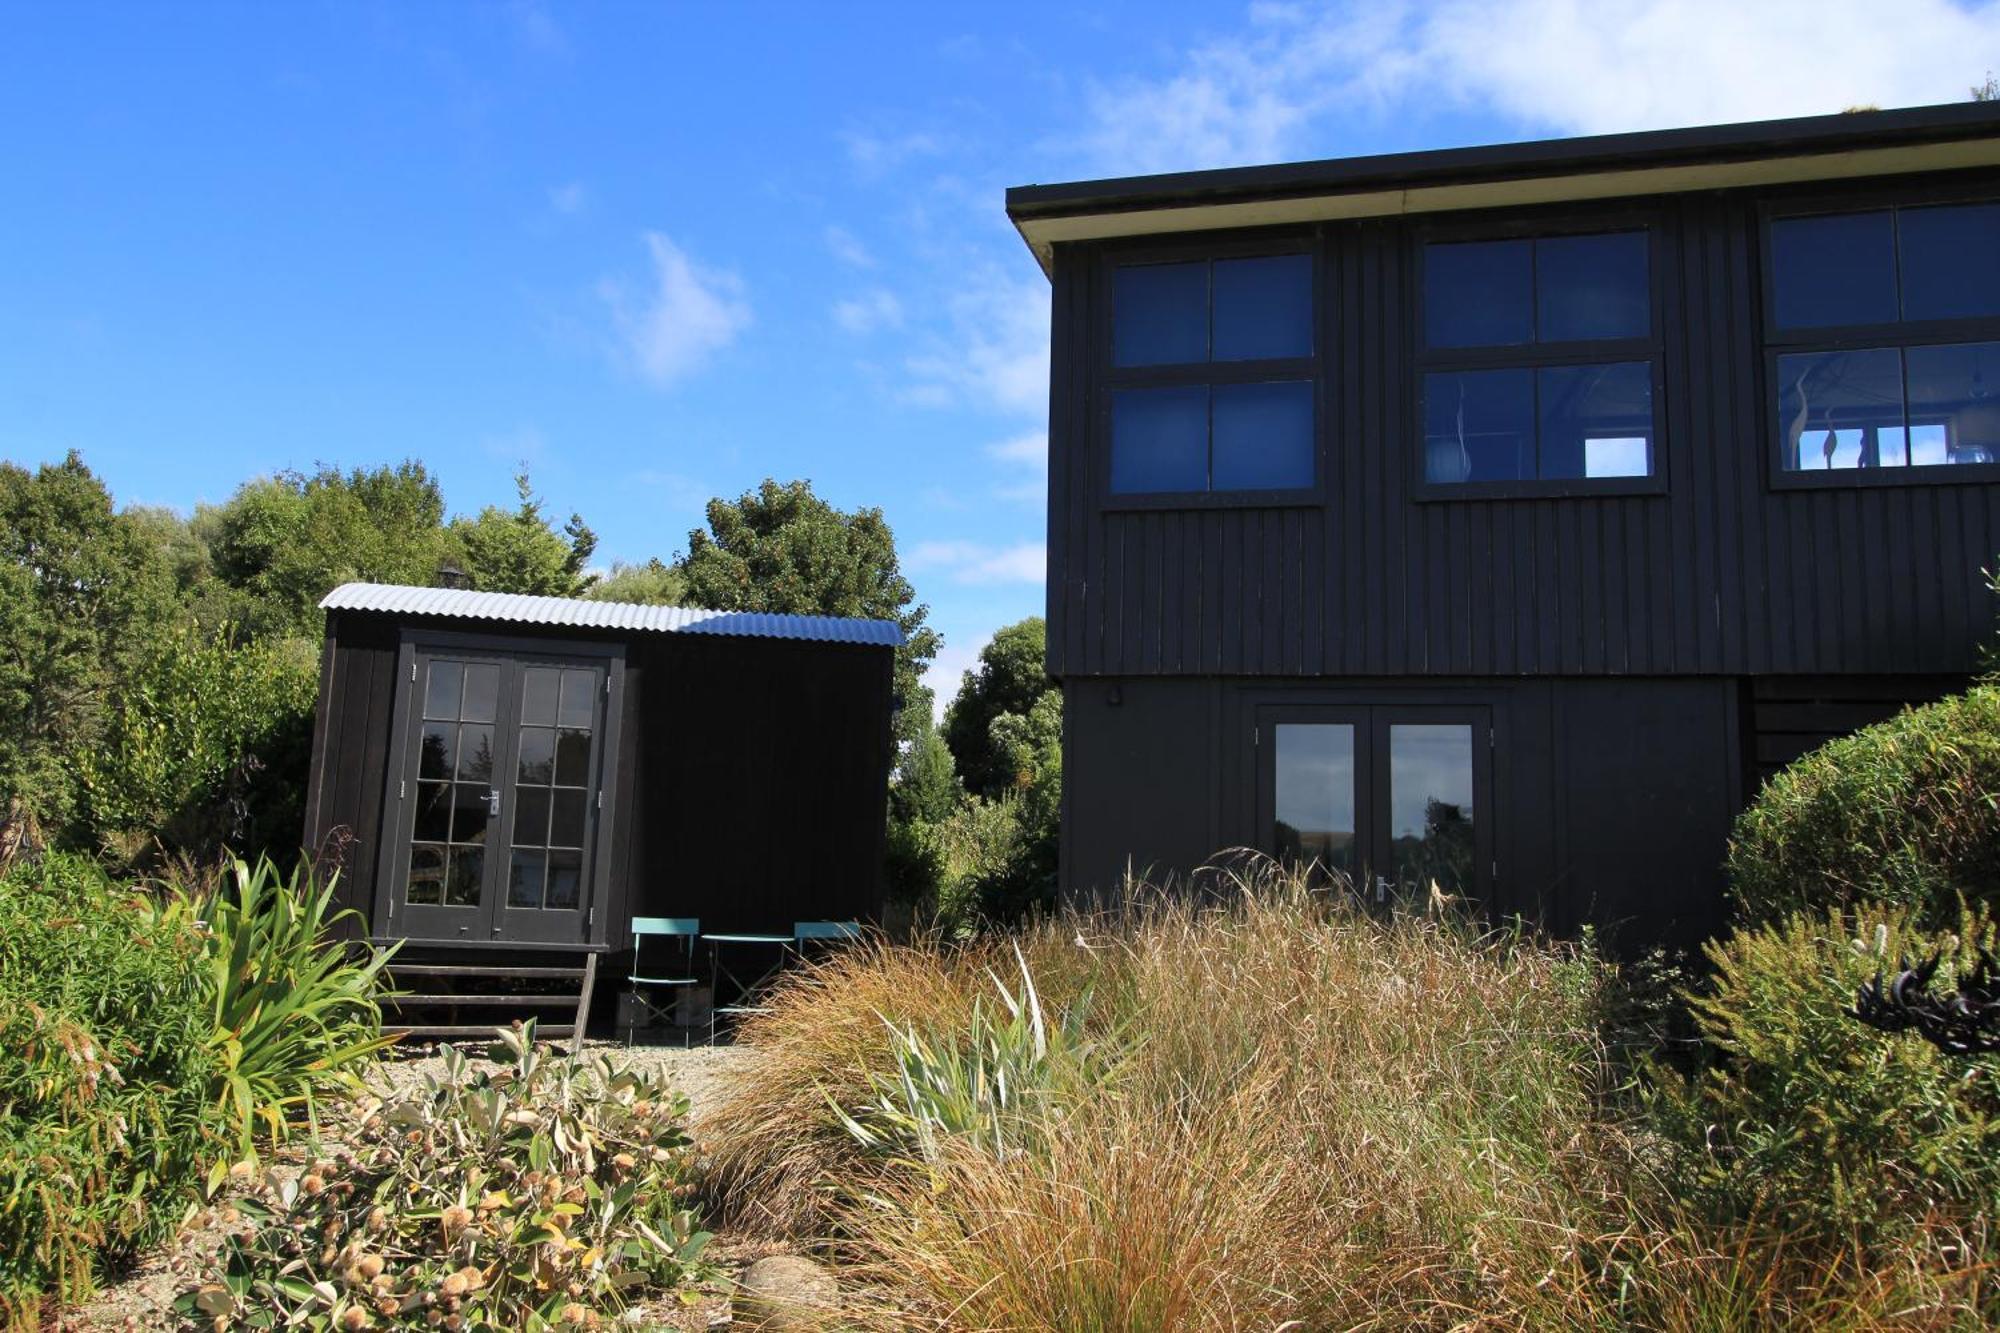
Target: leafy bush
294, 1011
104, 1079
207, 744
545, 1194
1843, 1130
1903, 812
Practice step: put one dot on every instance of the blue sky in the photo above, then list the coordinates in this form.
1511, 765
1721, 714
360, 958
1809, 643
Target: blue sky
659, 252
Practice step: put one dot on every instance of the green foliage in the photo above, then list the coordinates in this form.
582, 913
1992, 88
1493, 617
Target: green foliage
650, 584
294, 1009
104, 1079
924, 788
516, 551
1808, 1116
284, 542
80, 589
1906, 812
782, 549
206, 743
995, 1083
1009, 678
544, 1194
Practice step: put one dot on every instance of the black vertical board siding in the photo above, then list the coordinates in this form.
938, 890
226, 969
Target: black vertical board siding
1729, 571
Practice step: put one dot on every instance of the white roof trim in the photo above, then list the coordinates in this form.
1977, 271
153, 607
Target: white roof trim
520, 609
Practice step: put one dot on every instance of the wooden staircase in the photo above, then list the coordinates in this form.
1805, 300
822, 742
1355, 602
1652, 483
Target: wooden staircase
454, 1000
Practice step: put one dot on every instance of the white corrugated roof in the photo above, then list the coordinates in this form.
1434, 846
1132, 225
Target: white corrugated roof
520, 609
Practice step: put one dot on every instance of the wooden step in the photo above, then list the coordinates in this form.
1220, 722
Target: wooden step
486, 1030
488, 996
488, 970
498, 1001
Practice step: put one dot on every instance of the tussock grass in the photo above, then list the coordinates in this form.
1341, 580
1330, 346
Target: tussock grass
1318, 1118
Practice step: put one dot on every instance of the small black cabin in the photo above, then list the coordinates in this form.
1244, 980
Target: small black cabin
503, 772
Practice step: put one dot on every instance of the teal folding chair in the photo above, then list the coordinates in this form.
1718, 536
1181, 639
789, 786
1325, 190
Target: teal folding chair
825, 930
668, 928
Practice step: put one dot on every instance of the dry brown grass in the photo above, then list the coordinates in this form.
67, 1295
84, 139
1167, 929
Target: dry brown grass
1322, 1118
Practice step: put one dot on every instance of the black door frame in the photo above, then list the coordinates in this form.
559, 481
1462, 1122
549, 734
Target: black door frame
385, 922
1372, 716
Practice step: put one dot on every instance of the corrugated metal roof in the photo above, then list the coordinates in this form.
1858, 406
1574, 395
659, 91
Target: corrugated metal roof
519, 609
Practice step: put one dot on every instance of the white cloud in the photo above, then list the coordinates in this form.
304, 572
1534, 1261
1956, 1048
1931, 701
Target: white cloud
1283, 87
878, 153
569, 198
1030, 450
680, 490
518, 447
872, 310
947, 671
688, 314
977, 563
847, 248
996, 353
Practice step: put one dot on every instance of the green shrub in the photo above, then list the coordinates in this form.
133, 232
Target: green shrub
294, 1008
546, 1193
1906, 812
104, 1078
207, 744
1807, 1116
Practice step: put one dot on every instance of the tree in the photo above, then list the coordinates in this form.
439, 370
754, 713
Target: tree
82, 592
650, 584
516, 550
286, 541
924, 788
782, 549
1009, 679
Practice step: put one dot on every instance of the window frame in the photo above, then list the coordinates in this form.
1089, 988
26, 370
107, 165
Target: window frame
1425, 360
1898, 335
1111, 378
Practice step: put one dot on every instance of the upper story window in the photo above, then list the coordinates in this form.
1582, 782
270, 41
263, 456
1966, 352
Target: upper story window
1212, 376
1538, 357
1884, 328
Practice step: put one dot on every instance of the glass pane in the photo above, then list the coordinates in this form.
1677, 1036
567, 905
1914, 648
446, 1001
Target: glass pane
1950, 261
1263, 307
468, 820
426, 875
1839, 269
1479, 294
436, 751
1159, 314
566, 826
1840, 409
1479, 425
1263, 436
578, 693
565, 880
482, 692
538, 755
1315, 795
433, 812
462, 884
573, 758
1430, 806
524, 878
1592, 287
1596, 421
1954, 403
538, 694
475, 753
531, 816
441, 691
1159, 440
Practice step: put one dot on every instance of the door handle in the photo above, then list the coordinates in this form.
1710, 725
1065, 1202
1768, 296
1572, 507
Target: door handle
1381, 888
493, 803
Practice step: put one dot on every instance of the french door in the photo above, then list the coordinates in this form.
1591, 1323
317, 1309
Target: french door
1387, 799
497, 800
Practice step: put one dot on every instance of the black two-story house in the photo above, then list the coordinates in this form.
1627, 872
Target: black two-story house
1502, 516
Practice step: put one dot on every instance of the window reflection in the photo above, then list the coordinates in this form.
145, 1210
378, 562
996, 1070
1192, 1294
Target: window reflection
1430, 806
1889, 407
1315, 795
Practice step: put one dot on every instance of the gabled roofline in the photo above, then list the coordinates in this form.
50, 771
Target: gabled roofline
1850, 144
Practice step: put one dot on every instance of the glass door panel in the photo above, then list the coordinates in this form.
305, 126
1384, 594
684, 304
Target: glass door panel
1313, 794
1432, 830
555, 783
452, 799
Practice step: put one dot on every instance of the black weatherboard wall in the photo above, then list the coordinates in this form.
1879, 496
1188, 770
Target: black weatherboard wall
748, 790
1645, 656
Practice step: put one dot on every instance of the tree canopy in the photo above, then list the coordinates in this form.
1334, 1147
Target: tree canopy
782, 549
515, 550
1010, 678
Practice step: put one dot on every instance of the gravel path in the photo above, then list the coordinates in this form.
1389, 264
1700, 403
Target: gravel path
143, 1298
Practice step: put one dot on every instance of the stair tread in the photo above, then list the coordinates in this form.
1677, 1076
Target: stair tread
472, 1029
484, 970
410, 1001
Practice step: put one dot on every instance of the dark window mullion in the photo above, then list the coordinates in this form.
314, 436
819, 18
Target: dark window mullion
1210, 488
1535, 408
